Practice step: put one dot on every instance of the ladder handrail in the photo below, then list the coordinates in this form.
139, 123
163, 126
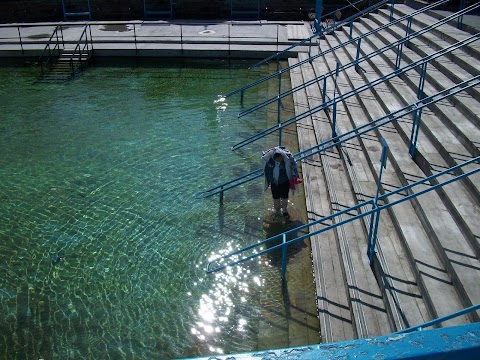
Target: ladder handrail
49, 42
80, 49
356, 91
311, 58
354, 62
351, 134
382, 197
331, 28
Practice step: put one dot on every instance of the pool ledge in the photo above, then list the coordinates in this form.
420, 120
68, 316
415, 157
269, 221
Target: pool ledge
456, 342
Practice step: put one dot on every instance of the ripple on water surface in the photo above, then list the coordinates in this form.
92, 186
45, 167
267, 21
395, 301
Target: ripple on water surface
103, 245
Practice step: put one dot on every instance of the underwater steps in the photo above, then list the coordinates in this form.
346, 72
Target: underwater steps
427, 248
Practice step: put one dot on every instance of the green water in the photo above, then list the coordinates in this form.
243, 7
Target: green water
102, 172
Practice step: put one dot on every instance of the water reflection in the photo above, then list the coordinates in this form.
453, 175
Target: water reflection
221, 104
221, 308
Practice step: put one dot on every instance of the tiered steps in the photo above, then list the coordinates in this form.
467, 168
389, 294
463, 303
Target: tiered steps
427, 260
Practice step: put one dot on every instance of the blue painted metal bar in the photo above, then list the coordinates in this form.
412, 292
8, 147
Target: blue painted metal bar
407, 32
391, 10
325, 145
209, 268
357, 55
417, 116
284, 257
398, 44
460, 19
268, 77
439, 320
375, 219
334, 114
357, 91
331, 28
421, 83
279, 103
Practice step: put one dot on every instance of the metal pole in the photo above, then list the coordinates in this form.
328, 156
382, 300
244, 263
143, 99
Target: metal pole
181, 38
279, 103
20, 38
284, 256
334, 116
421, 83
135, 38
408, 31
357, 55
372, 235
324, 93
417, 117
391, 10
460, 18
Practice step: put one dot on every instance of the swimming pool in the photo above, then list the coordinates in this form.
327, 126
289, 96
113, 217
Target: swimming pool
103, 244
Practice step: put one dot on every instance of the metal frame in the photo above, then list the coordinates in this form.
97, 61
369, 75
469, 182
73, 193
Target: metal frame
354, 133
356, 91
376, 209
355, 63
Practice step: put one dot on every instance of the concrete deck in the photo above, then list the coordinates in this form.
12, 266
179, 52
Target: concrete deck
255, 39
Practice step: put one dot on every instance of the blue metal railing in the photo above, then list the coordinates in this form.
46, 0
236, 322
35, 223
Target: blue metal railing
311, 58
374, 212
327, 103
354, 133
328, 29
439, 320
397, 45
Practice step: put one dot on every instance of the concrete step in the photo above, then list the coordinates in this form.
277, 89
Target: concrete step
332, 304
443, 147
367, 306
395, 278
444, 32
444, 234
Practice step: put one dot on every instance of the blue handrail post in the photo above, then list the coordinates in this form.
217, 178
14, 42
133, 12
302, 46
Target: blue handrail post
324, 93
351, 30
421, 83
408, 31
391, 10
398, 60
334, 115
284, 256
375, 218
279, 105
417, 116
358, 54
241, 97
460, 18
